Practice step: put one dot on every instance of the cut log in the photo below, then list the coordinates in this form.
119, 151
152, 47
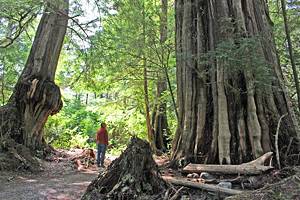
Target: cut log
203, 186
251, 168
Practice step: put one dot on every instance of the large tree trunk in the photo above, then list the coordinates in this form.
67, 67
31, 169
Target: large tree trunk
227, 112
36, 96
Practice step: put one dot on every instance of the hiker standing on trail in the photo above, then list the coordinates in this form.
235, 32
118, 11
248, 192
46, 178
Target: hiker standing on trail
102, 142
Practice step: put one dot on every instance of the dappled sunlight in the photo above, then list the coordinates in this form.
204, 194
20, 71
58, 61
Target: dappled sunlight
85, 183
136, 95
59, 180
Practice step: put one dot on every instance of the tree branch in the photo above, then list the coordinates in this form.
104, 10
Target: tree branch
276, 140
9, 40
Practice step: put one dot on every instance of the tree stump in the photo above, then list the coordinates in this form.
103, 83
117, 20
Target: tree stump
134, 175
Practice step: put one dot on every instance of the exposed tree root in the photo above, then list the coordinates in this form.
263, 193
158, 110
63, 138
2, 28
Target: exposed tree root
14, 156
134, 175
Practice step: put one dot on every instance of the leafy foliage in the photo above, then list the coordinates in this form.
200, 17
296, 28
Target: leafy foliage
110, 71
12, 62
241, 54
101, 66
293, 12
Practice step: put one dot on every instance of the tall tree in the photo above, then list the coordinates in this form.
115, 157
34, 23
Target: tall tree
230, 85
35, 95
290, 49
131, 45
160, 122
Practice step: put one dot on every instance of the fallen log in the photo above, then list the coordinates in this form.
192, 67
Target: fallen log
226, 169
203, 186
254, 167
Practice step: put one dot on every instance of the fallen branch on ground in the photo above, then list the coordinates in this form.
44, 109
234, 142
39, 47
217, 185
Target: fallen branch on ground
203, 186
86, 153
253, 167
84, 159
175, 196
287, 188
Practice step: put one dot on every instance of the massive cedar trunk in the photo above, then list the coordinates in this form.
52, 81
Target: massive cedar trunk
35, 95
227, 114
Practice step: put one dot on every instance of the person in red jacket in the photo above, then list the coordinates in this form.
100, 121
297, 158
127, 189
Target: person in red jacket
102, 142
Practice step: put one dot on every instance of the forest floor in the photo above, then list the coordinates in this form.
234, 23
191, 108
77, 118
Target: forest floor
59, 179
62, 178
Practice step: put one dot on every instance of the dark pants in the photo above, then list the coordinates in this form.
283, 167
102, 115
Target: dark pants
101, 148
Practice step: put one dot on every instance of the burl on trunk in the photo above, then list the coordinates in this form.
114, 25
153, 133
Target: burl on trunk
35, 95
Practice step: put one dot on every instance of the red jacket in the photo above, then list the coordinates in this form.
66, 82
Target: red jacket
102, 136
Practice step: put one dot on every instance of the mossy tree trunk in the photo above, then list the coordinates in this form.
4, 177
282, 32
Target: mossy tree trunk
230, 86
35, 95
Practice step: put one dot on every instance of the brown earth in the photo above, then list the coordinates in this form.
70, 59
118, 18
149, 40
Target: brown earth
59, 179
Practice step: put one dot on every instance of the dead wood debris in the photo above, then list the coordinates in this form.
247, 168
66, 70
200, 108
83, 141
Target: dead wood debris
288, 188
134, 175
254, 167
84, 160
17, 157
203, 186
232, 182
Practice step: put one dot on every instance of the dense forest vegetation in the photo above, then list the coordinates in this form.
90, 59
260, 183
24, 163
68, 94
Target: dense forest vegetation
202, 81
118, 65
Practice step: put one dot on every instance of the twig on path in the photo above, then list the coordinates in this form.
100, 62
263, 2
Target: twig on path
176, 194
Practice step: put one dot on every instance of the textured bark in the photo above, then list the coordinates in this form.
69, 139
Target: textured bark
134, 175
35, 95
225, 116
160, 119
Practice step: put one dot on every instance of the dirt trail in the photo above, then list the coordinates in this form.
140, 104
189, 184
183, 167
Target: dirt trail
59, 180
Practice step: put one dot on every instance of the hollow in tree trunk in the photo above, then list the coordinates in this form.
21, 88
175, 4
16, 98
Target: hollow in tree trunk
229, 103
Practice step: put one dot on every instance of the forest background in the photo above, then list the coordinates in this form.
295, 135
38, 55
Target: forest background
112, 64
